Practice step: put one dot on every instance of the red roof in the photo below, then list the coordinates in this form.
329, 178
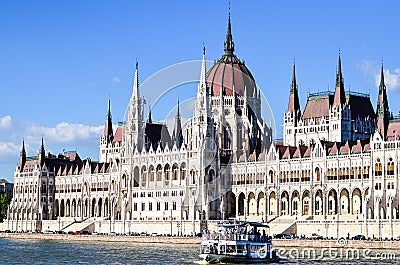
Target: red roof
317, 107
230, 73
393, 130
345, 149
118, 135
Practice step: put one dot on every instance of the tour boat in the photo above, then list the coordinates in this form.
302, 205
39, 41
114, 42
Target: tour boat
237, 242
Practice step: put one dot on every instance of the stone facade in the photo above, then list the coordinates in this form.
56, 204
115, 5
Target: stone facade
338, 162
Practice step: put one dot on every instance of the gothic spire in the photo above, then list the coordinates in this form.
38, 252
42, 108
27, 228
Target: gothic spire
294, 105
22, 158
177, 134
108, 129
229, 46
203, 73
149, 119
42, 154
382, 109
136, 93
340, 94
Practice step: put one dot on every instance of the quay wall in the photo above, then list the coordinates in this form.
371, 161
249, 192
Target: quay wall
277, 243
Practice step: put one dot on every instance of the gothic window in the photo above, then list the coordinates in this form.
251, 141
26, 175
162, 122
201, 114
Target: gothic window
175, 172
390, 167
318, 173
183, 171
271, 176
378, 168
366, 172
159, 172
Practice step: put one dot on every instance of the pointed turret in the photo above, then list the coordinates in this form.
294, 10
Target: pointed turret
108, 129
229, 47
203, 73
133, 132
340, 95
177, 137
294, 104
135, 92
382, 109
42, 155
22, 157
149, 119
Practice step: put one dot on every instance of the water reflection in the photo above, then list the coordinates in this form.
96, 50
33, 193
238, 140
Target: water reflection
17, 251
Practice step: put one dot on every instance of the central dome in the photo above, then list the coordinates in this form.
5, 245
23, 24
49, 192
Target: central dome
229, 73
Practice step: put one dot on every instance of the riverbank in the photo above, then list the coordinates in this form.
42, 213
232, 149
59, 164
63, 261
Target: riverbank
277, 243
104, 238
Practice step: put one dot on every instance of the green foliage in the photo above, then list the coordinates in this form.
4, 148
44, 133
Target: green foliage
4, 202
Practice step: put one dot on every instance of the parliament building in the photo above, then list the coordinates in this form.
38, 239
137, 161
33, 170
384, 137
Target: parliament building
336, 170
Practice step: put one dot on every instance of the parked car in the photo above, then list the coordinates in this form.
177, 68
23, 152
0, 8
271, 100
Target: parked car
282, 236
84, 232
155, 234
112, 234
316, 236
47, 232
77, 233
359, 237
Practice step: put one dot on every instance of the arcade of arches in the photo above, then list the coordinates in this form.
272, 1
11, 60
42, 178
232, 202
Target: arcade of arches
264, 205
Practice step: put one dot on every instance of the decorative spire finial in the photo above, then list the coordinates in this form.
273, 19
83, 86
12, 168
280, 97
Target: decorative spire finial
229, 46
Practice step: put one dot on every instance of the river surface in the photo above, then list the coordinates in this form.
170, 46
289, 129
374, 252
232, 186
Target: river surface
18, 251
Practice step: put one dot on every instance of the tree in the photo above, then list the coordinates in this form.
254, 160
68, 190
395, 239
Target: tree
4, 202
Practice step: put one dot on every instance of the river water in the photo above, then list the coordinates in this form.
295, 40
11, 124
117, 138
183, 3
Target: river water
18, 251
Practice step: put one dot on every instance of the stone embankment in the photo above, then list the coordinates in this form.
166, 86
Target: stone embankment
104, 238
277, 243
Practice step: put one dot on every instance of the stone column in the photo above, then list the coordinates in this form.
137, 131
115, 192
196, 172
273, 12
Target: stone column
237, 206
265, 208
351, 202
246, 207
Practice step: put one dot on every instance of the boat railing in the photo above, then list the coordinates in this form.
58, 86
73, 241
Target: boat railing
237, 237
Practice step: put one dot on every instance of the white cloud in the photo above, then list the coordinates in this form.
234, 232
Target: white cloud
9, 150
372, 69
392, 80
64, 133
116, 79
6, 122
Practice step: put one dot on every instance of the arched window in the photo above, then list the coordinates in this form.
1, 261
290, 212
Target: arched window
378, 168
318, 173
271, 176
390, 167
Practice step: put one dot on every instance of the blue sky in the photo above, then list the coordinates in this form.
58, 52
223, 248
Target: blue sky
61, 61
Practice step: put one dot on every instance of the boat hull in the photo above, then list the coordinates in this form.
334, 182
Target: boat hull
217, 258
